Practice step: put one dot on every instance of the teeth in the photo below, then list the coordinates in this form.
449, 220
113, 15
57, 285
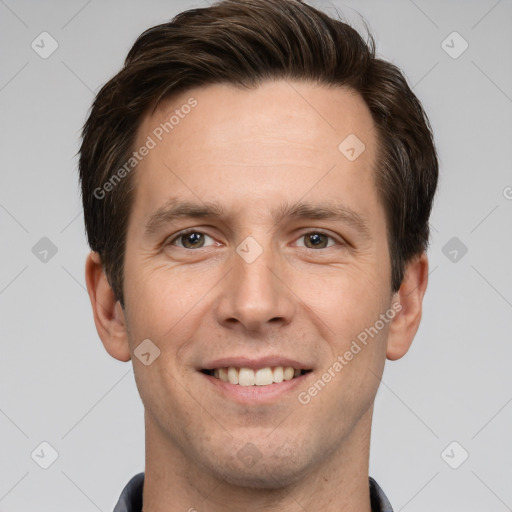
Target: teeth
246, 377
232, 375
278, 374
263, 377
288, 373
260, 377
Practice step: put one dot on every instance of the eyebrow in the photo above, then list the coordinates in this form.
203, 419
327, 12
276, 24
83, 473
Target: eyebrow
175, 209
327, 211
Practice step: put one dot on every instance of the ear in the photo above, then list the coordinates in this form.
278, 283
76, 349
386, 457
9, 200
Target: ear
408, 304
108, 314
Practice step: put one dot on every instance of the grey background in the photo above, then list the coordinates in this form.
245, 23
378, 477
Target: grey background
60, 386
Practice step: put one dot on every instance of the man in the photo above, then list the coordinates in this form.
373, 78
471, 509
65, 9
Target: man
257, 188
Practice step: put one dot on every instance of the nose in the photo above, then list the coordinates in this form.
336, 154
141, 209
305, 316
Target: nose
254, 296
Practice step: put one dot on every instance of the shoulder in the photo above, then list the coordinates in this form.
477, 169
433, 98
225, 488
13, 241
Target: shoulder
131, 497
379, 500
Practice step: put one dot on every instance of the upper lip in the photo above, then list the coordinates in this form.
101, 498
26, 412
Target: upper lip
253, 363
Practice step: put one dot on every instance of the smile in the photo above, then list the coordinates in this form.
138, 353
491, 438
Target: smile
258, 377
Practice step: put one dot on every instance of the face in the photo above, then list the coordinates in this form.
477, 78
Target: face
256, 244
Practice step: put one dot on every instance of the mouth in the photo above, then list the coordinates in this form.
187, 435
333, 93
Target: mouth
265, 376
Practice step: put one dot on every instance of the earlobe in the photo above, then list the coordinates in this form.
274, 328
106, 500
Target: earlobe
108, 314
405, 324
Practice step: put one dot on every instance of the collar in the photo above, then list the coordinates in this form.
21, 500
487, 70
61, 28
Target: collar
131, 497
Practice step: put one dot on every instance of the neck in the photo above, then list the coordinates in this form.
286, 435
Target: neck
339, 483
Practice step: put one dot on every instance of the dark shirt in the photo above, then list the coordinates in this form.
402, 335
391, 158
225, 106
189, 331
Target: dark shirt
131, 497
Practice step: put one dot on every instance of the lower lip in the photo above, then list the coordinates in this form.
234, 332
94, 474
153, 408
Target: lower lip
256, 394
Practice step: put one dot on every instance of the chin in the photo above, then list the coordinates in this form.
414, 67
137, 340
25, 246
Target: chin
261, 468
266, 476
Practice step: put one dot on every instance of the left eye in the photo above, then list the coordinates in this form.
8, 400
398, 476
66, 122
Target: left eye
191, 240
316, 240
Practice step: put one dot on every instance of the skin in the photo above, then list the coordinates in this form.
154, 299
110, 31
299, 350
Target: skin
251, 151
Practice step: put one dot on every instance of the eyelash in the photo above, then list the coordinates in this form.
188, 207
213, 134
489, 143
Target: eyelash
192, 230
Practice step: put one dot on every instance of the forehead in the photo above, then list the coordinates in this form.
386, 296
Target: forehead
312, 114
277, 139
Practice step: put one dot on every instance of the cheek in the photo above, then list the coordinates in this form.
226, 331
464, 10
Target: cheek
162, 297
347, 299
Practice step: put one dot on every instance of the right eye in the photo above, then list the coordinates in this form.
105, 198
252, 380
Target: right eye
190, 239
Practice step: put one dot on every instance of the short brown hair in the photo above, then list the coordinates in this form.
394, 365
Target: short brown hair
244, 43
